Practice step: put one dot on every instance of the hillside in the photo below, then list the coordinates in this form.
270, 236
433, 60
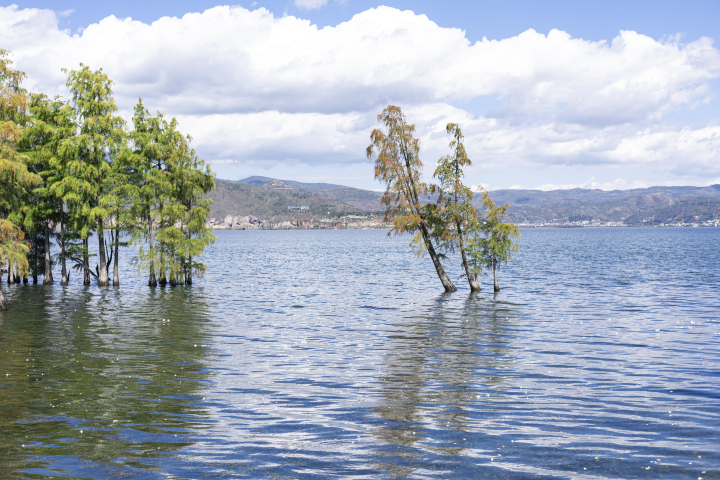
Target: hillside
238, 199
356, 197
571, 211
689, 210
536, 198
268, 198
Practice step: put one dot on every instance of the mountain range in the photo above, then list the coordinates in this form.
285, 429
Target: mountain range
269, 198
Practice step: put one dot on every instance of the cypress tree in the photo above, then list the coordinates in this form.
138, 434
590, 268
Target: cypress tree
100, 137
15, 180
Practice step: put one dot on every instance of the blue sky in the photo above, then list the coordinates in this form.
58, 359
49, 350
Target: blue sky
541, 109
497, 19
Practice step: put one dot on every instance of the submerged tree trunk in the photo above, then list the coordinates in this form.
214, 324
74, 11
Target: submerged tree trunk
497, 288
116, 267
444, 279
472, 279
35, 260
47, 276
152, 281
3, 303
102, 274
64, 277
86, 263
188, 278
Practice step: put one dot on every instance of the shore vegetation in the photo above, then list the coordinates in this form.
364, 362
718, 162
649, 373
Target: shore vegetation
73, 169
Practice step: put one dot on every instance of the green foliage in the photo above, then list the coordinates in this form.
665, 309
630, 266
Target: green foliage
16, 181
169, 182
99, 138
13, 247
455, 211
492, 241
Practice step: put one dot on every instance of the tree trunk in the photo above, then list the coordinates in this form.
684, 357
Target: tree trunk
472, 280
444, 279
11, 274
47, 276
188, 279
152, 281
497, 288
116, 267
25, 279
35, 259
102, 274
86, 264
64, 280
3, 303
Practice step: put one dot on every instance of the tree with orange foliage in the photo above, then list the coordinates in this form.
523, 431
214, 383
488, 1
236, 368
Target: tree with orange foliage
15, 179
397, 164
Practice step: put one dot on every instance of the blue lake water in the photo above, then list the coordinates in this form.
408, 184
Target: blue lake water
335, 354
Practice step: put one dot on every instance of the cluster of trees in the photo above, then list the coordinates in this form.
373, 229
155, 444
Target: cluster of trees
452, 223
72, 169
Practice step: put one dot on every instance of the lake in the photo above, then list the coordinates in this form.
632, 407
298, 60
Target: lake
335, 354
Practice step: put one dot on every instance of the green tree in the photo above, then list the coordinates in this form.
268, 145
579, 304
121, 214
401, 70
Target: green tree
170, 184
493, 241
397, 164
42, 139
149, 180
15, 180
454, 201
61, 185
100, 137
185, 234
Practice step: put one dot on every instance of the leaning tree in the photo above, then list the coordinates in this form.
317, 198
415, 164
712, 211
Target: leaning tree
454, 201
396, 152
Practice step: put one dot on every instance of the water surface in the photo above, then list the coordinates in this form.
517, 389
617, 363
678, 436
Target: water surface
334, 354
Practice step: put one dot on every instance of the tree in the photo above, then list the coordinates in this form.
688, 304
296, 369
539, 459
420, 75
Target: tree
493, 241
15, 179
42, 139
149, 182
454, 199
100, 136
170, 182
397, 164
62, 185
184, 235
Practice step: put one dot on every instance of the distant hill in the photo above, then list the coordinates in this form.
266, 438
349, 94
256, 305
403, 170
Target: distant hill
236, 199
264, 196
688, 210
536, 198
569, 211
363, 199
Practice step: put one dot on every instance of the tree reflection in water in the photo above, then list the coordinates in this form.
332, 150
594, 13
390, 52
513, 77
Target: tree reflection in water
108, 381
438, 369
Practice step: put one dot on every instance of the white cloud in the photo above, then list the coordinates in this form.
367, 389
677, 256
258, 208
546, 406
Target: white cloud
251, 87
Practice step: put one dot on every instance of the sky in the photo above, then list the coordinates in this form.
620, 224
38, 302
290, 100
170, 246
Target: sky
563, 94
